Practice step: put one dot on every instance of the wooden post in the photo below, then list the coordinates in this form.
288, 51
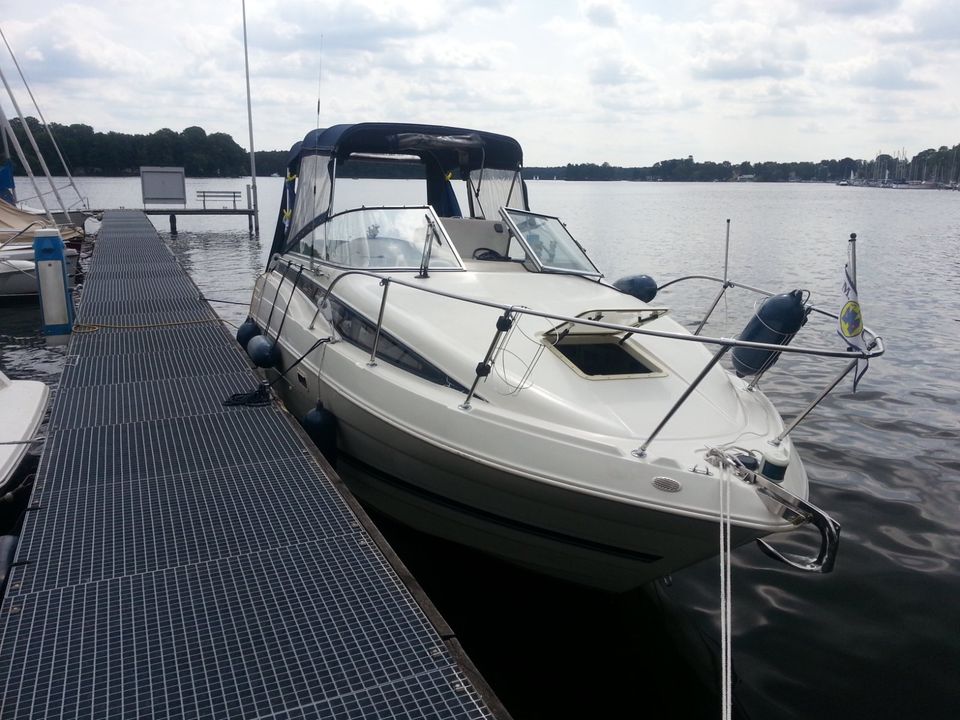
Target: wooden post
173, 224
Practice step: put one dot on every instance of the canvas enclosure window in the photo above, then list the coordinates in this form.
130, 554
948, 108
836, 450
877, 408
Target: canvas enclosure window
492, 189
313, 195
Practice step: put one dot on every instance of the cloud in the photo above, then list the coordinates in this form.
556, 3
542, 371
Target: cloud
747, 50
885, 73
813, 127
936, 22
617, 70
744, 65
785, 99
56, 52
731, 73
625, 104
852, 7
602, 14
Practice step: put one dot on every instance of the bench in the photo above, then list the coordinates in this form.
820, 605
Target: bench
204, 195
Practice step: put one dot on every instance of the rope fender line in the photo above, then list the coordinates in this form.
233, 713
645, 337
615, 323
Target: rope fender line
261, 394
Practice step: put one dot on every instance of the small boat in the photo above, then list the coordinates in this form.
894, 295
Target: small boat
18, 227
18, 271
475, 377
22, 406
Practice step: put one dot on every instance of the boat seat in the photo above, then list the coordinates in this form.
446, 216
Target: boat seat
469, 234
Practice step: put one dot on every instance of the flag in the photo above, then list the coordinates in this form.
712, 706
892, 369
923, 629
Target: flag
850, 318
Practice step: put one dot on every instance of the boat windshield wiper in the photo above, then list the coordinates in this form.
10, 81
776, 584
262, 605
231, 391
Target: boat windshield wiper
431, 233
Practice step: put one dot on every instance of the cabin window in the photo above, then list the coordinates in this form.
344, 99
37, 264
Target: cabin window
603, 356
357, 330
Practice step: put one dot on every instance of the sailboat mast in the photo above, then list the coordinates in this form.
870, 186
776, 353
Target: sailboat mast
33, 144
8, 130
46, 125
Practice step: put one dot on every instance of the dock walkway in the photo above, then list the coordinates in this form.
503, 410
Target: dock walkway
183, 559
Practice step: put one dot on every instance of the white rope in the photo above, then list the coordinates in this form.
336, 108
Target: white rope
726, 596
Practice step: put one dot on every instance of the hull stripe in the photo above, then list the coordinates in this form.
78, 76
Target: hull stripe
497, 519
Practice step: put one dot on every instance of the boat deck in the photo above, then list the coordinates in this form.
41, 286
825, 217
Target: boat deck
181, 558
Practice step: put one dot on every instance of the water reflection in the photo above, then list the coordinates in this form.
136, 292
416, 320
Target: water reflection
873, 639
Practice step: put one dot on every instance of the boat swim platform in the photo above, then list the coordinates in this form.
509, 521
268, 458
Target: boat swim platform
184, 559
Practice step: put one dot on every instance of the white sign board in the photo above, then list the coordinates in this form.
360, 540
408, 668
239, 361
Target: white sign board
163, 185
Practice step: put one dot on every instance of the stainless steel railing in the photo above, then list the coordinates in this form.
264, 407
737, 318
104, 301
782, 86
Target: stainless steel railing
510, 313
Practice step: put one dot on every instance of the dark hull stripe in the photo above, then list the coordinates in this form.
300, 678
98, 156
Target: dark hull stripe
497, 519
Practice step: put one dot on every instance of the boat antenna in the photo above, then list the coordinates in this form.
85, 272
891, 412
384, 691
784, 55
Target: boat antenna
319, 80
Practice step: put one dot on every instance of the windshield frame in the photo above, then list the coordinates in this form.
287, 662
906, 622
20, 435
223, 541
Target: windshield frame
534, 257
433, 226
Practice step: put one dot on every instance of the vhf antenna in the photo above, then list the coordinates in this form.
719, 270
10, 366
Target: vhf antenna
319, 80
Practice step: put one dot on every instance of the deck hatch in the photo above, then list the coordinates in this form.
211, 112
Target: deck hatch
602, 355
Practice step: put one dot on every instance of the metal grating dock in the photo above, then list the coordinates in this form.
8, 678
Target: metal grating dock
182, 559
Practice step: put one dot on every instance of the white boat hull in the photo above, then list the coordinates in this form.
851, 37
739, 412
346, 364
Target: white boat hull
18, 278
22, 407
525, 516
551, 530
18, 271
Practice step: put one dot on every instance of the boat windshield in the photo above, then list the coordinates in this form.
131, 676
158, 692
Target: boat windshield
548, 243
388, 238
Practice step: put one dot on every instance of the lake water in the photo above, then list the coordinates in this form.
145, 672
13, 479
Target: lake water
880, 636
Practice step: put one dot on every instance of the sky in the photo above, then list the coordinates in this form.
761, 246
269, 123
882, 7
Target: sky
628, 83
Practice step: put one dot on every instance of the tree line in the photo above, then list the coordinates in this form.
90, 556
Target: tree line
114, 154
934, 166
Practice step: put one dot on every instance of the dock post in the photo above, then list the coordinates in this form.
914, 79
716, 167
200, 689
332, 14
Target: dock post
173, 224
249, 216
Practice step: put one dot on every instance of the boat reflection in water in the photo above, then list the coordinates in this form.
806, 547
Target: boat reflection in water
478, 379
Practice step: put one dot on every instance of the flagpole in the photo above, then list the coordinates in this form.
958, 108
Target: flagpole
853, 259
253, 161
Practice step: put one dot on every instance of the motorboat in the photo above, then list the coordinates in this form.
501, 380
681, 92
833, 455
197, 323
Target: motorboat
477, 379
22, 406
18, 271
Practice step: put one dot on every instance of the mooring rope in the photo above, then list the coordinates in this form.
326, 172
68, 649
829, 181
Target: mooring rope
726, 596
261, 395
93, 327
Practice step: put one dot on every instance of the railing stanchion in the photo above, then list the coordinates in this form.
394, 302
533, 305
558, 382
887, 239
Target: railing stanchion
504, 323
723, 286
716, 301
376, 338
826, 391
642, 450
